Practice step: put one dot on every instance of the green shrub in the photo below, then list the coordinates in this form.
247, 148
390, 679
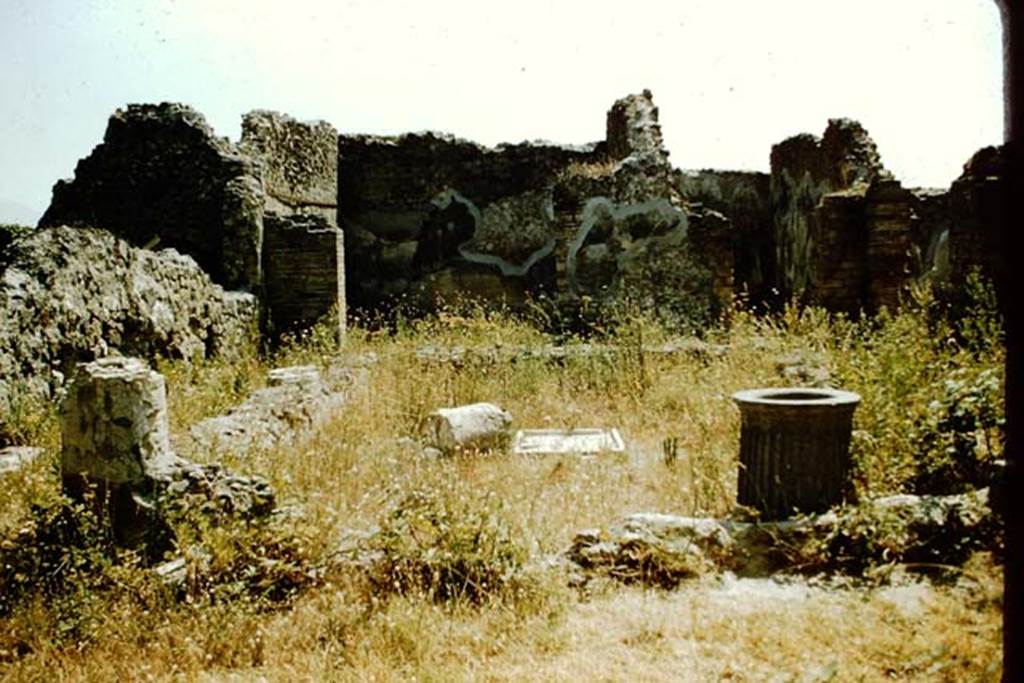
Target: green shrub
960, 433
61, 554
448, 548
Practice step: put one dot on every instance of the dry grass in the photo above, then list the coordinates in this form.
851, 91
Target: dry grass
354, 472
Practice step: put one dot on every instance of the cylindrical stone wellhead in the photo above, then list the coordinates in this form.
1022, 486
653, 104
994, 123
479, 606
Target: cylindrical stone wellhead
794, 449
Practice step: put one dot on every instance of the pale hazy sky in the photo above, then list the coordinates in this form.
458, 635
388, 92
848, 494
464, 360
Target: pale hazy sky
731, 77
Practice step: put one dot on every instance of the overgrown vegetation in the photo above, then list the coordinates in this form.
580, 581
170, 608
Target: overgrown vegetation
446, 578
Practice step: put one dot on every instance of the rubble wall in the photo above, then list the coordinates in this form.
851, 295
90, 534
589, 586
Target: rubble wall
298, 162
432, 217
161, 178
69, 295
976, 204
425, 209
744, 199
804, 169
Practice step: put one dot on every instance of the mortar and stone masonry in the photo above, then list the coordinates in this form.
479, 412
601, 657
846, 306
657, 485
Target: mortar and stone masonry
250, 229
429, 217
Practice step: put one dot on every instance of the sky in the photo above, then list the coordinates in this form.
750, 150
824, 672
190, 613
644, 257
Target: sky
731, 77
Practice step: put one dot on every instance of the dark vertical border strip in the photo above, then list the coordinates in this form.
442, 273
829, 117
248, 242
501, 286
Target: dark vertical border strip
1013, 39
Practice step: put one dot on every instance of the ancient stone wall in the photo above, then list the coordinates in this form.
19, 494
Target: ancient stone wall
744, 198
804, 169
839, 269
976, 204
891, 264
632, 129
434, 217
628, 231
303, 259
430, 217
424, 211
298, 160
69, 295
161, 178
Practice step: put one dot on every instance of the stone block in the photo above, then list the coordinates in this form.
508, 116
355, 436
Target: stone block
582, 441
477, 426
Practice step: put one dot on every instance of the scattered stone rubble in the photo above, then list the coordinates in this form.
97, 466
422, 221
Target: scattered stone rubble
666, 549
71, 295
116, 455
295, 401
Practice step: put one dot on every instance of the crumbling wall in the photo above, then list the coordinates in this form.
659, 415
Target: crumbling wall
932, 223
627, 232
298, 160
430, 217
804, 169
839, 271
977, 211
890, 257
303, 258
162, 178
427, 213
434, 217
744, 198
69, 295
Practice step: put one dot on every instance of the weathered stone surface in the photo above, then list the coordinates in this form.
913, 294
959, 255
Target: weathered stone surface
744, 198
114, 422
304, 272
295, 401
804, 368
805, 169
442, 219
626, 231
13, 458
430, 218
891, 262
116, 455
838, 274
299, 162
426, 211
977, 207
794, 449
478, 426
161, 174
633, 129
69, 295
585, 441
667, 549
